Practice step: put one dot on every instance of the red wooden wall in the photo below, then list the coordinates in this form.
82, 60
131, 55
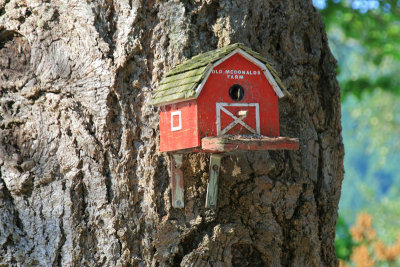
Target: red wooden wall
256, 90
186, 137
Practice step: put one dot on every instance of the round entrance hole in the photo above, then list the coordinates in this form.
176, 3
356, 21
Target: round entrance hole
236, 92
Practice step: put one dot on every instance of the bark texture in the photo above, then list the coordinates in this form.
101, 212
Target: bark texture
82, 181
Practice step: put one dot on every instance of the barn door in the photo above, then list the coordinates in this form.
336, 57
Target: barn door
231, 114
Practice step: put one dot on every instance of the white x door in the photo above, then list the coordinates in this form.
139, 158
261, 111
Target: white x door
221, 107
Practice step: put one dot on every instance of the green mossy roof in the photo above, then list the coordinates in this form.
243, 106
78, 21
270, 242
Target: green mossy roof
182, 81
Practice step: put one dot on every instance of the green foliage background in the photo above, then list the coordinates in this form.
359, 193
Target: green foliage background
364, 36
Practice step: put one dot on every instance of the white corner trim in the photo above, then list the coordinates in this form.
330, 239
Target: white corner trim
272, 81
250, 58
179, 126
203, 82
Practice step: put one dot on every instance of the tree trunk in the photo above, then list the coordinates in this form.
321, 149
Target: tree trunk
82, 180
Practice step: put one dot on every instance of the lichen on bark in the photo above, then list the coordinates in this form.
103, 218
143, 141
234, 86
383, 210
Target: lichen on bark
82, 181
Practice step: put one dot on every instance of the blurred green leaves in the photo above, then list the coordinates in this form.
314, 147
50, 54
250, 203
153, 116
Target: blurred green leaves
377, 28
365, 38
375, 118
365, 84
343, 241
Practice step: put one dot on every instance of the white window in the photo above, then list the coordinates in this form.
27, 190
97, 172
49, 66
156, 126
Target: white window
176, 121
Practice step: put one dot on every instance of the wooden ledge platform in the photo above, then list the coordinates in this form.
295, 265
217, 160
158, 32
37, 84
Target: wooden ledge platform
242, 143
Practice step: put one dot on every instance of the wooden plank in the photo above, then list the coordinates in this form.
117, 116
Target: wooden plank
212, 188
177, 181
237, 143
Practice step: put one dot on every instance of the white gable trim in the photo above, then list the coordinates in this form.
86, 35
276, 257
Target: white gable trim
250, 58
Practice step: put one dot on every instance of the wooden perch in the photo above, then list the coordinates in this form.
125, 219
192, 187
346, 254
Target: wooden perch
241, 143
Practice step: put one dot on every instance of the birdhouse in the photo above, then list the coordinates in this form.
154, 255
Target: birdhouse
225, 100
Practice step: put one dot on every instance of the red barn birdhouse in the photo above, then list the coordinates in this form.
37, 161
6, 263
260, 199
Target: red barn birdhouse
220, 101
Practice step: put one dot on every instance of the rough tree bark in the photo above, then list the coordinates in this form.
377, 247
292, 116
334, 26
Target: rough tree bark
82, 181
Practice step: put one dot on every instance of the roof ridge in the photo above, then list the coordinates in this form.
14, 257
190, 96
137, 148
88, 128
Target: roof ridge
202, 61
